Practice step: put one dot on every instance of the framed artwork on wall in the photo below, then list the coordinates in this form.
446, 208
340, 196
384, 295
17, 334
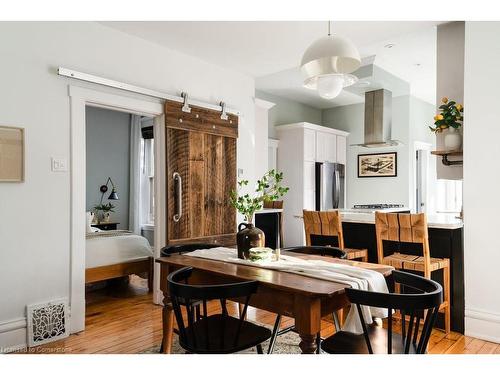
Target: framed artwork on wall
378, 165
11, 154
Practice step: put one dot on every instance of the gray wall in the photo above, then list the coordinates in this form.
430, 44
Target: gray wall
450, 82
377, 189
108, 155
287, 111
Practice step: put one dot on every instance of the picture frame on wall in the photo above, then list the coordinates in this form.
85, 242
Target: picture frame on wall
383, 164
11, 154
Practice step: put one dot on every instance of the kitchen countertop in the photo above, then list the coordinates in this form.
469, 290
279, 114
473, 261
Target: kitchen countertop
444, 221
268, 211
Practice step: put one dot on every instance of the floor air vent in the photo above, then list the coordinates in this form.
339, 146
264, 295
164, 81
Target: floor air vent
47, 322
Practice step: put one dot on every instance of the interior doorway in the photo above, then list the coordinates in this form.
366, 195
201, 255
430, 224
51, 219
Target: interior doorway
421, 159
80, 98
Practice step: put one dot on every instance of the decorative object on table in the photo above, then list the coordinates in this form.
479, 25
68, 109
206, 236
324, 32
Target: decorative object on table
257, 254
11, 154
268, 188
326, 65
378, 165
450, 119
103, 212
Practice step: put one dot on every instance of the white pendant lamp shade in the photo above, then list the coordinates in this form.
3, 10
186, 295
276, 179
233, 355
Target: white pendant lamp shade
326, 65
330, 86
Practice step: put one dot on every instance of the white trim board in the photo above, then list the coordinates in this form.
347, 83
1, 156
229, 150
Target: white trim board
308, 125
79, 99
482, 324
13, 334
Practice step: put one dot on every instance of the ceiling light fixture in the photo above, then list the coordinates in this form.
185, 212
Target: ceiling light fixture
327, 64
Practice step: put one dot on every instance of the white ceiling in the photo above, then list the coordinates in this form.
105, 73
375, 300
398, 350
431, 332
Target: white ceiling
271, 51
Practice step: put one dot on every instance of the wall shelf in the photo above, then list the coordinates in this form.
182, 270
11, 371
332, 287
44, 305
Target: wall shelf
445, 154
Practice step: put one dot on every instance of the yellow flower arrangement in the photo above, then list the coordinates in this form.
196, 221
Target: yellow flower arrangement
450, 116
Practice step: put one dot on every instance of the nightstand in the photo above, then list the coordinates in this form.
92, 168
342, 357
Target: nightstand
106, 226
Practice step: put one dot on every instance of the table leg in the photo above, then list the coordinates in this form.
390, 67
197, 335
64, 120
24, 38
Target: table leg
168, 324
307, 322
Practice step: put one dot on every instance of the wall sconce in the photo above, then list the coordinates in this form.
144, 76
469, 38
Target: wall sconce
104, 188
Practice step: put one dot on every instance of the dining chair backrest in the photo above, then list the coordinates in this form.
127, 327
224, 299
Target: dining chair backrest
184, 294
422, 304
186, 248
330, 251
322, 227
408, 228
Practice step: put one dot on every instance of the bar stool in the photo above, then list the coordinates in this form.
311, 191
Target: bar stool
322, 227
412, 228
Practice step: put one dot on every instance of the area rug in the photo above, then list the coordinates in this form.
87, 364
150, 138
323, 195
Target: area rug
285, 344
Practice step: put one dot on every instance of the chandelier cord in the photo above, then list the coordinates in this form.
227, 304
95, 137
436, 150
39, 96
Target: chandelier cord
329, 33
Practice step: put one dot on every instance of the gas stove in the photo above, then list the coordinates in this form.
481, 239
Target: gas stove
376, 206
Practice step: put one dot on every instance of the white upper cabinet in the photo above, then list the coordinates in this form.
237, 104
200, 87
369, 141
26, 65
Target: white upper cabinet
309, 145
326, 147
341, 150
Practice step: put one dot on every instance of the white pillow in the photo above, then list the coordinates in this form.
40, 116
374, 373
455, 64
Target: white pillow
90, 218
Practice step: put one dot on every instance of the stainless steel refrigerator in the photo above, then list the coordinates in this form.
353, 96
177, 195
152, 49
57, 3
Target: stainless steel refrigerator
330, 186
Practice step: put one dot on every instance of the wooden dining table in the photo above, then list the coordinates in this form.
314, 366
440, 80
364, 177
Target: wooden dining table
304, 298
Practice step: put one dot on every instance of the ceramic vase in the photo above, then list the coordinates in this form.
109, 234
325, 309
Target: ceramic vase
452, 139
248, 236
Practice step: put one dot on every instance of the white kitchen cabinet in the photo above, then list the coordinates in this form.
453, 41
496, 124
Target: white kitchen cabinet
301, 146
341, 150
309, 145
326, 147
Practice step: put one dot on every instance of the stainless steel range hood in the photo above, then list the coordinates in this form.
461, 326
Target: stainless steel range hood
378, 120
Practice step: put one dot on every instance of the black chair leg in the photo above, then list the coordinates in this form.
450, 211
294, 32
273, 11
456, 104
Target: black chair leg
259, 349
274, 335
336, 321
161, 347
318, 343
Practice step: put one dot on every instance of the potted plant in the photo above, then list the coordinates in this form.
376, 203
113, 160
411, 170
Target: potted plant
451, 118
105, 209
269, 188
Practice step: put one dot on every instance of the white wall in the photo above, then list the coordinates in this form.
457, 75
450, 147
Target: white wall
481, 180
34, 215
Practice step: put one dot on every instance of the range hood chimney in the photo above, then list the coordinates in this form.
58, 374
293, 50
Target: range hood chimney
378, 119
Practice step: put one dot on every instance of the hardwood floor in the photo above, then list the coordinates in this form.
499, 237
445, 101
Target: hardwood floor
123, 319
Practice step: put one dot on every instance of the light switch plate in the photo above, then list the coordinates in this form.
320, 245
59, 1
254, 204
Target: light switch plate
59, 165
240, 172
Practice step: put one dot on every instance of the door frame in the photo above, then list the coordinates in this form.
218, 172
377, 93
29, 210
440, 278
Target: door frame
81, 97
418, 145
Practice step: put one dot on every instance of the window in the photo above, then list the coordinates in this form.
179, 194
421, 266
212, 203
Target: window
147, 180
448, 196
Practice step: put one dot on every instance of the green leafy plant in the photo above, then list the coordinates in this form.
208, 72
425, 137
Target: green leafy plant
104, 207
450, 116
268, 188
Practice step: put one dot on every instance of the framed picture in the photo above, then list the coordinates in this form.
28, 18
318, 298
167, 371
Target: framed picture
11, 154
378, 165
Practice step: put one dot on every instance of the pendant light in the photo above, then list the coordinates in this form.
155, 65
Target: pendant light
327, 64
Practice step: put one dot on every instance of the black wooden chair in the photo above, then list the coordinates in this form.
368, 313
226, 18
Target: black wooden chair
218, 333
421, 300
334, 252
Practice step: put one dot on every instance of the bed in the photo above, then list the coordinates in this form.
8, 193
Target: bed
117, 253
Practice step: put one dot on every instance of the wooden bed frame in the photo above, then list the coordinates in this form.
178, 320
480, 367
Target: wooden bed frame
138, 267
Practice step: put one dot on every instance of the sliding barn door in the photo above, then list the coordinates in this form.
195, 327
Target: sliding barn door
201, 171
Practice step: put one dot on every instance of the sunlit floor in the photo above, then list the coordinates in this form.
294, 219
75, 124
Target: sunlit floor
121, 318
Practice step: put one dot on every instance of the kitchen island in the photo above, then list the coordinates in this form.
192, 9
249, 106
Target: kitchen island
445, 241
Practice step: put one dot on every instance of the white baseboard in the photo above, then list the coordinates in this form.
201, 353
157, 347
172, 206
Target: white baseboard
13, 335
482, 324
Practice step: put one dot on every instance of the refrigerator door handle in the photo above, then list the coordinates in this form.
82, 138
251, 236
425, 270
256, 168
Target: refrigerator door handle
336, 190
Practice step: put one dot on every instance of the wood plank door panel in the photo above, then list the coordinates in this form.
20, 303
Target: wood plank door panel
205, 158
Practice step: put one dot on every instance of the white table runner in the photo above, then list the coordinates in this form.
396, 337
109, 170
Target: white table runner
355, 277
